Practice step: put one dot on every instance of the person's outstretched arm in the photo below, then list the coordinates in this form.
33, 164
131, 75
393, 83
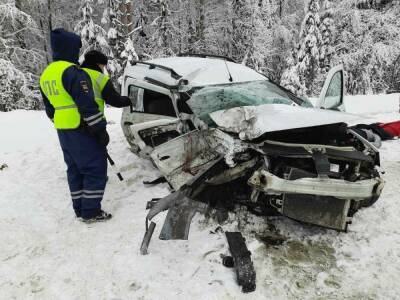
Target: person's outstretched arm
112, 97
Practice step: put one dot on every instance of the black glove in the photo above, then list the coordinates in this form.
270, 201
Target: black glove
102, 137
127, 101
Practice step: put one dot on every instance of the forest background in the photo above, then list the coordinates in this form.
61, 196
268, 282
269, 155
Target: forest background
294, 42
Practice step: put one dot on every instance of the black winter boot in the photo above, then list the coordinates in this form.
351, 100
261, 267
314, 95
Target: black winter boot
100, 217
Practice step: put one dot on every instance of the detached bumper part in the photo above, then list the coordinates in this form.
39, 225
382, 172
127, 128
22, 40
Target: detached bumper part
338, 188
181, 211
324, 202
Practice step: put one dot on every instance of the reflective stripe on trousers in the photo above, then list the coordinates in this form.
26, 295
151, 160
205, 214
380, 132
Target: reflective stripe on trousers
88, 194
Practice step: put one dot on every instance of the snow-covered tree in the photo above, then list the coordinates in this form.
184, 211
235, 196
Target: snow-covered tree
367, 43
18, 90
129, 54
310, 42
258, 53
294, 42
20, 61
326, 29
243, 27
291, 79
93, 36
164, 34
118, 17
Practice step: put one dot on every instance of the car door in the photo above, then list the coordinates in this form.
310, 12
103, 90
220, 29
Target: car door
152, 119
185, 156
332, 94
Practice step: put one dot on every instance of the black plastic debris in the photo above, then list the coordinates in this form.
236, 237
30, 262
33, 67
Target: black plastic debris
155, 181
227, 261
246, 275
151, 203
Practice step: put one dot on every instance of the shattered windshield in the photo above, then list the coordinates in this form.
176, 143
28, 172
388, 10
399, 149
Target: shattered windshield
254, 93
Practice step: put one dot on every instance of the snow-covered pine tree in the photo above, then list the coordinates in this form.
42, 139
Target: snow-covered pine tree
260, 50
129, 54
109, 21
18, 79
291, 79
243, 30
141, 40
326, 29
310, 42
126, 50
200, 24
214, 33
192, 25
119, 17
375, 4
164, 33
93, 36
367, 43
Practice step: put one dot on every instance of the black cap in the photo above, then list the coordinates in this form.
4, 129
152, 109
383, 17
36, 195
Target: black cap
93, 58
96, 57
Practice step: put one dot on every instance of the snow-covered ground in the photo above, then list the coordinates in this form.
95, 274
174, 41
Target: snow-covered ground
45, 253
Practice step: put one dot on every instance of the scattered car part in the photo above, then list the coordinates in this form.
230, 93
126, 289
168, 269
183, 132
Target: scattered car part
151, 203
246, 275
179, 217
158, 180
227, 261
147, 237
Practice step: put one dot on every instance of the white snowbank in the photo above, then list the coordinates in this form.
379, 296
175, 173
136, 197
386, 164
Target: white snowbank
22, 130
369, 104
372, 104
45, 253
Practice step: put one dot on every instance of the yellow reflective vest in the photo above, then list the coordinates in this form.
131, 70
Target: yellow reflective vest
66, 114
99, 81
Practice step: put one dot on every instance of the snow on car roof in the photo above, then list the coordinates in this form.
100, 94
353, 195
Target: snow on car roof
198, 71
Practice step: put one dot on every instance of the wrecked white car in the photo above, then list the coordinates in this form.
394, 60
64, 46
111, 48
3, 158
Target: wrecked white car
224, 135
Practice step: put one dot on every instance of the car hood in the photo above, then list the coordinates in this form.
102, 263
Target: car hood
250, 122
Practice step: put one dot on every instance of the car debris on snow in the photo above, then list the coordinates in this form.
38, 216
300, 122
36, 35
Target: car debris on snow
245, 273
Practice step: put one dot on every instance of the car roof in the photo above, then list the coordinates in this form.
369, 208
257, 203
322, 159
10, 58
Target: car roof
197, 71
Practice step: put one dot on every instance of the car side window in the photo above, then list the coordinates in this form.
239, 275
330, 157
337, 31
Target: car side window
134, 93
157, 104
151, 102
333, 97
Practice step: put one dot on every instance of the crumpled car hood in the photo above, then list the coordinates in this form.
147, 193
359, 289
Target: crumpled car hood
250, 122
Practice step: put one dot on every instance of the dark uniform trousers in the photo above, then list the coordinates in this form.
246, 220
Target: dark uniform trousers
87, 170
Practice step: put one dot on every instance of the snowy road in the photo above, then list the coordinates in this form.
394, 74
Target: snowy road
45, 253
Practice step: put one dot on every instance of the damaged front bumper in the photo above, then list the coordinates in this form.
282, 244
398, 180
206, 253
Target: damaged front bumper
321, 201
323, 185
270, 184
